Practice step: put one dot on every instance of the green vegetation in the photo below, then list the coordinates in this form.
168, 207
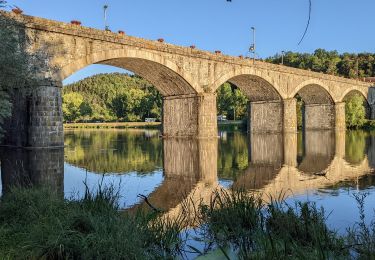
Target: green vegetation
114, 151
331, 62
253, 230
13, 66
111, 97
122, 97
40, 224
113, 125
231, 102
355, 111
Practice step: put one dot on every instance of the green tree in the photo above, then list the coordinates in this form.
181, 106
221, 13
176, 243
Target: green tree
116, 96
231, 102
331, 62
224, 99
355, 112
15, 72
85, 110
72, 106
239, 104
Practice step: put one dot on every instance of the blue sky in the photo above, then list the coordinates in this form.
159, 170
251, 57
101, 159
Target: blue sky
342, 25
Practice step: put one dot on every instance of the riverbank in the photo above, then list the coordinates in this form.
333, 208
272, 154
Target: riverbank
41, 224
225, 125
113, 125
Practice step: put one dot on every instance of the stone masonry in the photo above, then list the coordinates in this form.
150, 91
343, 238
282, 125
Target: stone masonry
187, 78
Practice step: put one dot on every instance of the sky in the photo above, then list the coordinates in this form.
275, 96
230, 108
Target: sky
342, 25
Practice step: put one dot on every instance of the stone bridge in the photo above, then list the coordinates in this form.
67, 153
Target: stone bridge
186, 77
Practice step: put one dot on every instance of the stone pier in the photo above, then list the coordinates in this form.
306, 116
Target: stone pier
190, 116
319, 116
37, 119
340, 116
265, 117
290, 115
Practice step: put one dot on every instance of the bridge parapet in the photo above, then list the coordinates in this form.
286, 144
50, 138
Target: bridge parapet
52, 26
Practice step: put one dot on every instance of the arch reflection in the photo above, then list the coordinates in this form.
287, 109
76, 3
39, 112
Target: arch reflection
303, 162
190, 169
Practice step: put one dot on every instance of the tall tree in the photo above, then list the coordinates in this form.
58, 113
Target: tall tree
14, 59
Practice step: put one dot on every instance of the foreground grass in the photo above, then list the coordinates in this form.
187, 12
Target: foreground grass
40, 224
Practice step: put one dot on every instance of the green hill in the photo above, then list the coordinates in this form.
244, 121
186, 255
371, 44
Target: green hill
111, 97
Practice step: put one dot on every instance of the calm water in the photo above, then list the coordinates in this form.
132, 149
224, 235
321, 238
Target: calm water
323, 166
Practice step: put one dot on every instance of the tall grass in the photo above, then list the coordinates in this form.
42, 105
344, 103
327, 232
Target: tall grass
40, 224
253, 230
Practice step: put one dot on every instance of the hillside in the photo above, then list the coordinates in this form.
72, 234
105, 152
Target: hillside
111, 97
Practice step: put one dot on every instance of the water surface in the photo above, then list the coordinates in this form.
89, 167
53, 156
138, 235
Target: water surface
326, 167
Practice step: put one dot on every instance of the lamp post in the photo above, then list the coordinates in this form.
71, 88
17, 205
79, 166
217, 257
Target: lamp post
252, 46
282, 57
105, 7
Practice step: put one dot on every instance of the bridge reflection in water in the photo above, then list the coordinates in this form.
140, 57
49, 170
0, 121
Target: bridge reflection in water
272, 164
32, 167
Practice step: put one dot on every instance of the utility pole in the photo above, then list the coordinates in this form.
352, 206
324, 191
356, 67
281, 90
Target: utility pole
252, 46
282, 57
105, 7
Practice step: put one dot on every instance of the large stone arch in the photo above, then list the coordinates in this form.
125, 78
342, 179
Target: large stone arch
351, 90
319, 111
312, 82
265, 107
245, 77
354, 91
315, 92
164, 74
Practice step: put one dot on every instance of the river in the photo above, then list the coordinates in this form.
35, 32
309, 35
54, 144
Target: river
326, 167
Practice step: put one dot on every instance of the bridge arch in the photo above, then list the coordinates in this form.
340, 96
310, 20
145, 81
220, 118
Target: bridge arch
255, 85
320, 90
316, 106
265, 107
353, 90
164, 74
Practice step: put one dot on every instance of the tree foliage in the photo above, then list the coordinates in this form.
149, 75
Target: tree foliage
122, 97
231, 102
14, 59
111, 97
355, 112
348, 65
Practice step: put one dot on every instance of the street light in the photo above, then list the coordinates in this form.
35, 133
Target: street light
282, 57
252, 46
105, 7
